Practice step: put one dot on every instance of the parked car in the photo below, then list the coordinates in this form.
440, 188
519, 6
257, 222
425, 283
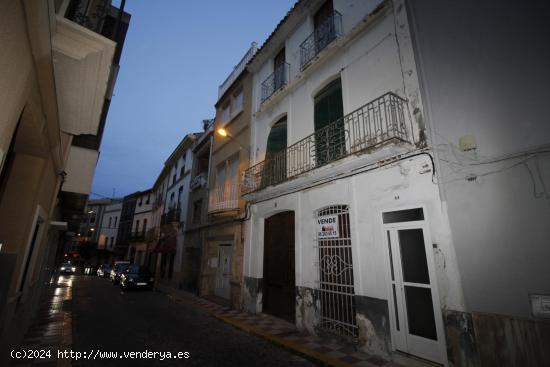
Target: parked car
67, 268
136, 276
117, 269
104, 270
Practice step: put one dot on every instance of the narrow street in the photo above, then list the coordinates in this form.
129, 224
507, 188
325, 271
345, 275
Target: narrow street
106, 319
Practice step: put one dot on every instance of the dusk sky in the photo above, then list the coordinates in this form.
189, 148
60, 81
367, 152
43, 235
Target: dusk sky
175, 56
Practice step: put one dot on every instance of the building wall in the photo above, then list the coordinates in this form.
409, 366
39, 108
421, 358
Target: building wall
498, 95
368, 64
31, 182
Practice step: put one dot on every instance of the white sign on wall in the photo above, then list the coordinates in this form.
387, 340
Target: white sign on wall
327, 227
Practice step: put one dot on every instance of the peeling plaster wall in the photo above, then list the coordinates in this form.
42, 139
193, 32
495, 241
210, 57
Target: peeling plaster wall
403, 184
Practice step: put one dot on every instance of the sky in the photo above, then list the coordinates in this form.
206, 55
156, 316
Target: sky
175, 56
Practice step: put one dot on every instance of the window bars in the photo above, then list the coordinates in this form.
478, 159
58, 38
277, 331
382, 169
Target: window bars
336, 284
373, 124
278, 79
322, 36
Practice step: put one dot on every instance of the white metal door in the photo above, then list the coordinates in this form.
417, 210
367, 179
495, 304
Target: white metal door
417, 323
223, 273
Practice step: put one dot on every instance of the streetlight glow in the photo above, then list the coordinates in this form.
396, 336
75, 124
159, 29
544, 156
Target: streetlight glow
222, 132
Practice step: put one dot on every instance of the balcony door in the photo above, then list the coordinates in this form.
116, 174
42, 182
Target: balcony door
279, 70
328, 112
323, 22
275, 160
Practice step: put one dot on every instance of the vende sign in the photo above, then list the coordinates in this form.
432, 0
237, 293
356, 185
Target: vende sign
327, 227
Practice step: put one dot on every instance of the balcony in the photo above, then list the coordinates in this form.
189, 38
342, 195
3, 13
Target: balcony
373, 124
224, 198
322, 36
274, 82
137, 236
172, 216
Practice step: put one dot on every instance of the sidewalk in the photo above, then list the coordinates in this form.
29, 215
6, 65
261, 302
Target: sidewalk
51, 329
327, 352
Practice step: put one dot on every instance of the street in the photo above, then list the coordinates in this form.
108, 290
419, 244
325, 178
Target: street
106, 319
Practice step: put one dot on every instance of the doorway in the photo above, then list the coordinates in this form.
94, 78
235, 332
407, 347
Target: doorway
415, 312
223, 272
279, 266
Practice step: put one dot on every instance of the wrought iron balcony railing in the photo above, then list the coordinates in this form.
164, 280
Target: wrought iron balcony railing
137, 235
278, 79
224, 198
89, 14
322, 36
376, 122
173, 215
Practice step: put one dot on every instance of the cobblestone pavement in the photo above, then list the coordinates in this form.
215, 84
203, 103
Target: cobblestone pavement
148, 324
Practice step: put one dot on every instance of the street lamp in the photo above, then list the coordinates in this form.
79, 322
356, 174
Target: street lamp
223, 133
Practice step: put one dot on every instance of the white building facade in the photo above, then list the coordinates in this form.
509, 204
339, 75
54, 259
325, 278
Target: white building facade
142, 223
109, 229
348, 234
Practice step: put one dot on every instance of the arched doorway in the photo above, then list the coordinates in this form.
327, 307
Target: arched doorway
275, 162
279, 279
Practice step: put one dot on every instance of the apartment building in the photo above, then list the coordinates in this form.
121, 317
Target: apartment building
108, 231
197, 211
396, 180
137, 249
57, 72
174, 181
222, 259
341, 185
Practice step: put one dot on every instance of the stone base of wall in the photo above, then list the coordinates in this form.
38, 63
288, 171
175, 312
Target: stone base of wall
252, 294
372, 315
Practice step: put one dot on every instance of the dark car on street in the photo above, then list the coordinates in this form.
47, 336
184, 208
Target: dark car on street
136, 276
118, 269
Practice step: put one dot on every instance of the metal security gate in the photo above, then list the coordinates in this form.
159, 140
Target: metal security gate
336, 286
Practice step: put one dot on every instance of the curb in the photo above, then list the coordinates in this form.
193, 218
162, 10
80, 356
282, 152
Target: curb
286, 344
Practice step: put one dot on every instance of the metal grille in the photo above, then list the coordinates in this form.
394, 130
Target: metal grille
328, 31
371, 125
336, 286
274, 82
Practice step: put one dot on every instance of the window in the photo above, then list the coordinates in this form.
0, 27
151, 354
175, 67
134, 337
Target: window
174, 179
180, 191
144, 224
226, 113
171, 200
197, 211
140, 201
110, 220
181, 170
137, 225
112, 242
115, 221
275, 165
330, 142
147, 201
237, 102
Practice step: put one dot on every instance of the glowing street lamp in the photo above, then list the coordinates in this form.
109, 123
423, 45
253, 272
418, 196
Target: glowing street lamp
223, 133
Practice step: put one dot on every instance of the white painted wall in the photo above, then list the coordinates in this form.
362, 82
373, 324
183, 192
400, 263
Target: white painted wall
367, 195
106, 232
369, 66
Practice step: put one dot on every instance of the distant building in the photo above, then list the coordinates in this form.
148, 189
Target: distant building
169, 213
125, 226
197, 212
108, 231
142, 223
223, 248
